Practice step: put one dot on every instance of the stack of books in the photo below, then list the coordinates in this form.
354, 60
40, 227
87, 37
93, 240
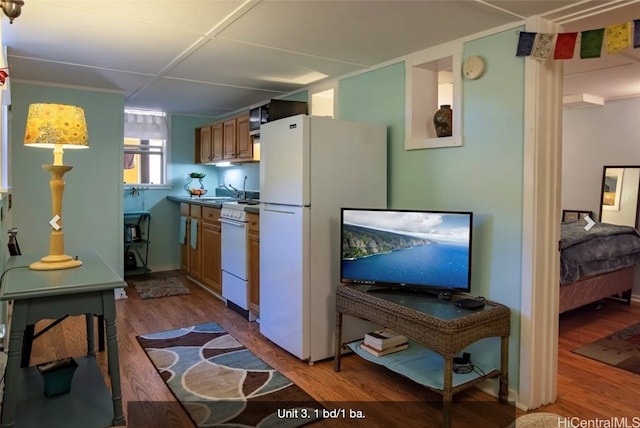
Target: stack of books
384, 342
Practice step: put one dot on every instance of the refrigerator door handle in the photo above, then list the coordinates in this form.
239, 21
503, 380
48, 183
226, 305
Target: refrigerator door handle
282, 208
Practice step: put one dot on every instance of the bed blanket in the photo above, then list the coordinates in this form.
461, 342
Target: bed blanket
604, 248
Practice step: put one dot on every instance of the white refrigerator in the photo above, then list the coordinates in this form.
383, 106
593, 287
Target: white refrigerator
310, 167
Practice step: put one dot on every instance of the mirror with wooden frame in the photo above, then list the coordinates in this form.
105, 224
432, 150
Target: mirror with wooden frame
619, 196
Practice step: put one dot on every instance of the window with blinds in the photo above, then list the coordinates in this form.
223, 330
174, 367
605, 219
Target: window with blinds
145, 147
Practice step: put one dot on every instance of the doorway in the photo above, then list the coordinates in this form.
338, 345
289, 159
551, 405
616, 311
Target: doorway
543, 185
596, 91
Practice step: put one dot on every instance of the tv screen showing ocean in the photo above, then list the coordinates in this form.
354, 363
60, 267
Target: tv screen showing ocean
443, 264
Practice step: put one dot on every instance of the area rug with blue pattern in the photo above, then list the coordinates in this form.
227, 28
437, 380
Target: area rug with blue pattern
221, 383
620, 349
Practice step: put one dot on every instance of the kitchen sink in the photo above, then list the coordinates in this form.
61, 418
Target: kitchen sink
214, 198
248, 201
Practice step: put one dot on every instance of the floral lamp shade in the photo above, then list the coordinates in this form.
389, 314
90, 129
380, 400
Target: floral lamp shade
53, 124
56, 126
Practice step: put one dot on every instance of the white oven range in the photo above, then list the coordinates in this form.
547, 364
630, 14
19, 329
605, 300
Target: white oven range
235, 287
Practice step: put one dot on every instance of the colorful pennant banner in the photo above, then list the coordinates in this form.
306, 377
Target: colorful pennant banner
565, 45
614, 38
591, 43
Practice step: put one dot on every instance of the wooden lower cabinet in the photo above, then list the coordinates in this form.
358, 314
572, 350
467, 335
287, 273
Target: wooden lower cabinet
254, 263
204, 262
211, 249
185, 265
195, 251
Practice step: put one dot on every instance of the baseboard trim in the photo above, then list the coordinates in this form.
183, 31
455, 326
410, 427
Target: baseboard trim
164, 268
205, 288
491, 387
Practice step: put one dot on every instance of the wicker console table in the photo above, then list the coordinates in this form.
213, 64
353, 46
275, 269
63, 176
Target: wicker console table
436, 324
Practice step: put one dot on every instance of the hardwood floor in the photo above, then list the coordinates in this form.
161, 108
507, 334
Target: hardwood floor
587, 388
388, 399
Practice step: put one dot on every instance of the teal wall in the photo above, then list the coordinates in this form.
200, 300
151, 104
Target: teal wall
378, 96
300, 96
483, 176
92, 202
488, 175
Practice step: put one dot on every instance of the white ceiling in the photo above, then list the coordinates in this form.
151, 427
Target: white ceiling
609, 77
213, 57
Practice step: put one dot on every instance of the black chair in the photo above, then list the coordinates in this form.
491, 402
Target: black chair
29, 334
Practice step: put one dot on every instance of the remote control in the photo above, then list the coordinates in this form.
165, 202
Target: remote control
469, 303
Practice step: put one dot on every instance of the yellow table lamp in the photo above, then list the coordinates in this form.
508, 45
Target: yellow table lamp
57, 127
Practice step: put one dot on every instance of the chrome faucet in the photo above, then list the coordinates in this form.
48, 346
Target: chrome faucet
244, 188
235, 192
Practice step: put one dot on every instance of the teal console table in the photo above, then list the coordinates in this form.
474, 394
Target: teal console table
36, 295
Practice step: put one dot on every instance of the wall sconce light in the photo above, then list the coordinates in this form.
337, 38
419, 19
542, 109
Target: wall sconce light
57, 127
12, 8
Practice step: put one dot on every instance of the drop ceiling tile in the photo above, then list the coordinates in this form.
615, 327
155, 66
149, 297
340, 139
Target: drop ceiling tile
68, 75
360, 32
196, 16
610, 83
94, 40
527, 7
240, 64
210, 99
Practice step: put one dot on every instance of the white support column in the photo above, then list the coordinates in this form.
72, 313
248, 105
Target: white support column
541, 226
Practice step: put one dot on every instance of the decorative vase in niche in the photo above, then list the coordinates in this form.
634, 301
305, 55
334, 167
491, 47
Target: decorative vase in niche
442, 121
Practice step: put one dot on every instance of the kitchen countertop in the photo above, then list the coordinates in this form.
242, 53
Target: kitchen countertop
214, 203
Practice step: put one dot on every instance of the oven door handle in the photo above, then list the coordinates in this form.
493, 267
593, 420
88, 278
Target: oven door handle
233, 223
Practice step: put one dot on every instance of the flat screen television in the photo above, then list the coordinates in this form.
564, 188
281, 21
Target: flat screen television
407, 249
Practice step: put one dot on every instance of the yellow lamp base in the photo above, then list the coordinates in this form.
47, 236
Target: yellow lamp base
55, 262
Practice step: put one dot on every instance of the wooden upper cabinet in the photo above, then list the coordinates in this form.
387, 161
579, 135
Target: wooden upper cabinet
244, 141
209, 140
229, 135
216, 141
228, 140
204, 142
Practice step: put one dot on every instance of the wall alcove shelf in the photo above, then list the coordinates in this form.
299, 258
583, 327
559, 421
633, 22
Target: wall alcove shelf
433, 79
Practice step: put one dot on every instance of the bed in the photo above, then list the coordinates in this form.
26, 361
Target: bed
596, 264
